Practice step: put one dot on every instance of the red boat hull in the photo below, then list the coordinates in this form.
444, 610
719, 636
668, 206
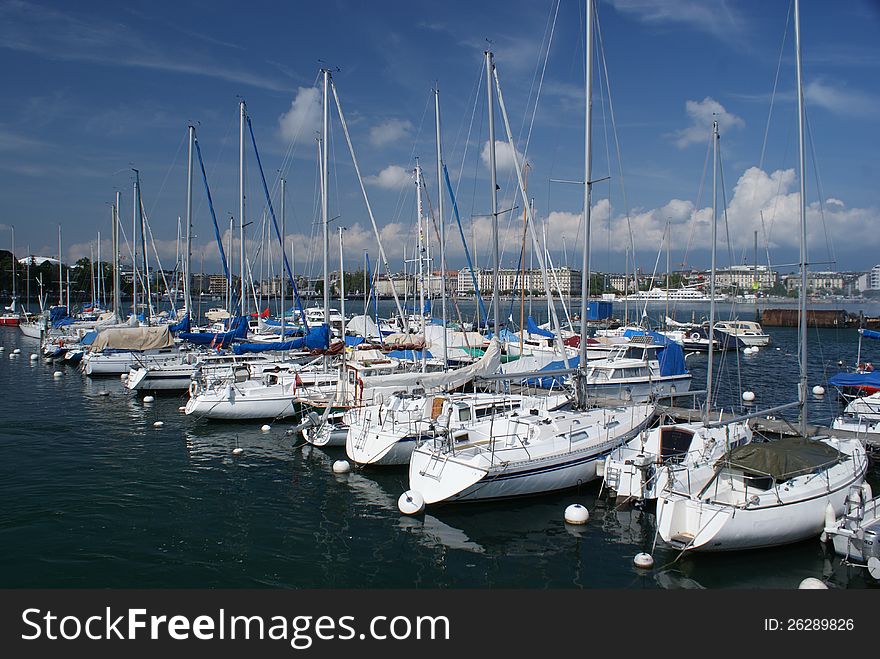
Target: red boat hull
9, 321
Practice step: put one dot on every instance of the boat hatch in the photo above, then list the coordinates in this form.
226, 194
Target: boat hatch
674, 444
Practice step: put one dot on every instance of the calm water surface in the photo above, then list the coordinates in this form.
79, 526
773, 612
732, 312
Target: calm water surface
95, 496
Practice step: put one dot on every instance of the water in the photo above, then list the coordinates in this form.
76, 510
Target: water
95, 496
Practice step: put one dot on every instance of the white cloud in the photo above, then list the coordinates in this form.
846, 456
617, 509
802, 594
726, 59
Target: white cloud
503, 156
839, 101
303, 119
715, 17
701, 114
390, 130
391, 178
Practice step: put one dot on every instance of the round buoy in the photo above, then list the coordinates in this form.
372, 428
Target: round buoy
747, 351
2, 348
643, 560
748, 396
818, 390
874, 567
779, 348
839, 361
812, 583
576, 514
182, 408
123, 376
237, 451
148, 399
341, 467
58, 374
411, 503
17, 351
158, 424
103, 393
34, 356
266, 428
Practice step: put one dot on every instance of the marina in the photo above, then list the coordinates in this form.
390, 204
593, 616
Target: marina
302, 414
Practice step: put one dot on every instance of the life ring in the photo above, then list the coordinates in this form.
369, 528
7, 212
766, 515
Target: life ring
193, 388
695, 336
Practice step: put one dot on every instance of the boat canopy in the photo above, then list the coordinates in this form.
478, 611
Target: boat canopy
870, 334
670, 356
318, 338
783, 458
219, 339
866, 379
133, 338
182, 326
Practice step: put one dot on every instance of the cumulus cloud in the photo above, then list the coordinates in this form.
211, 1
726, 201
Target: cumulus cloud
390, 178
840, 101
503, 156
390, 130
701, 115
303, 119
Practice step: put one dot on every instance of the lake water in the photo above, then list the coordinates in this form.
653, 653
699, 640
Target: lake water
95, 496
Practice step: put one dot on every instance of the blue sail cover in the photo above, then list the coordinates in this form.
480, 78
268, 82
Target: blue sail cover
871, 379
670, 356
88, 338
318, 338
57, 313
869, 334
533, 328
218, 339
551, 381
410, 355
182, 326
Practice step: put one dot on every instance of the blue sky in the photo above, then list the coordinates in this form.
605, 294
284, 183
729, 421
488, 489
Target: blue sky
95, 88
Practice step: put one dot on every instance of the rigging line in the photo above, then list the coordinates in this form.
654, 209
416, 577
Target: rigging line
829, 239
699, 200
168, 171
775, 86
283, 170
156, 254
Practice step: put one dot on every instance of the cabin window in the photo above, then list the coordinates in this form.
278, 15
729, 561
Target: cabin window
674, 444
464, 414
757, 481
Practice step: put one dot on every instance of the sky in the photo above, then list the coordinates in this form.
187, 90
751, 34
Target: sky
94, 89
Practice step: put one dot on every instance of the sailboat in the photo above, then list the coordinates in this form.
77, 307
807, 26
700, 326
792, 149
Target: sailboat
764, 494
12, 316
529, 451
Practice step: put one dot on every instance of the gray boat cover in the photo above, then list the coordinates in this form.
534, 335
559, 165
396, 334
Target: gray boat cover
133, 338
784, 458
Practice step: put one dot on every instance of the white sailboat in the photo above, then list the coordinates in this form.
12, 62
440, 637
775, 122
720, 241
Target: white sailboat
768, 493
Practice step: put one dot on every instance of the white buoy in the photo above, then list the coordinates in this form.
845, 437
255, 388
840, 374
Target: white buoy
17, 351
34, 356
123, 376
182, 408
411, 503
148, 399
266, 428
747, 350
237, 451
748, 396
755, 349
2, 348
643, 560
576, 514
779, 348
341, 467
812, 583
818, 390
158, 424
103, 393
58, 374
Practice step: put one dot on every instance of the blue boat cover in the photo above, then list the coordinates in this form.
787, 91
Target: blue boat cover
411, 355
182, 326
871, 379
533, 328
551, 381
318, 338
88, 338
869, 334
354, 340
218, 339
670, 356
57, 313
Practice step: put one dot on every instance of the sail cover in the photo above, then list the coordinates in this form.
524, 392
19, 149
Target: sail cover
784, 458
133, 338
533, 328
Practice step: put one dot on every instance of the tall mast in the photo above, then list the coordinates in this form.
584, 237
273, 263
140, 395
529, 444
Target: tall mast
283, 238
341, 283
802, 319
667, 272
325, 182
60, 274
100, 271
490, 65
148, 308
242, 117
187, 268
114, 233
588, 166
421, 255
715, 139
134, 253
13, 269
442, 222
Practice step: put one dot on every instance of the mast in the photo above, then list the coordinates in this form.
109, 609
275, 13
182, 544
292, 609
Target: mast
442, 223
100, 272
715, 139
134, 247
802, 316
341, 283
92, 272
421, 255
490, 66
187, 268
325, 182
283, 238
148, 308
117, 307
242, 117
13, 269
667, 273
60, 274
588, 166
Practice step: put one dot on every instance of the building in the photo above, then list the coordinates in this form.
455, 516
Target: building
818, 282
745, 278
563, 281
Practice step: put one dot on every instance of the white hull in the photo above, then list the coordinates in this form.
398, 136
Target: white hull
236, 403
